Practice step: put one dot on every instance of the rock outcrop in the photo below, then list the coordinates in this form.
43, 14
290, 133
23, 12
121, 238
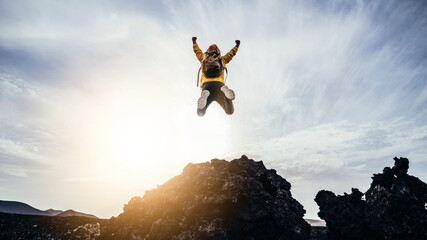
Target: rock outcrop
394, 208
240, 199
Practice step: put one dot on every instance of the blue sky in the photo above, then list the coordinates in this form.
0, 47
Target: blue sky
98, 99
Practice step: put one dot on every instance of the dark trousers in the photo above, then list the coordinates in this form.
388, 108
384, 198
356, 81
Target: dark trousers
216, 95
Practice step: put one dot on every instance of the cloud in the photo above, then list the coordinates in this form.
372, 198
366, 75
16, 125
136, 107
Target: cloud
13, 170
13, 89
342, 146
332, 66
22, 138
27, 151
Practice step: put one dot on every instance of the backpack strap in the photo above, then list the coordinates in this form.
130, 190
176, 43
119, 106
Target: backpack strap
226, 71
198, 74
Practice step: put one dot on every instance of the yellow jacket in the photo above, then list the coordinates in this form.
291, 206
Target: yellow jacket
225, 59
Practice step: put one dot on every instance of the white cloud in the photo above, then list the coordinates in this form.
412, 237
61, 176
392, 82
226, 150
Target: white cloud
20, 150
12, 88
11, 170
342, 146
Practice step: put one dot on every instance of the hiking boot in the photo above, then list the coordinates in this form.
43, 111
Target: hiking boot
203, 99
228, 92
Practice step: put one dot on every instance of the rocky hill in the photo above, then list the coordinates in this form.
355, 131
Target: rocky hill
240, 199
394, 208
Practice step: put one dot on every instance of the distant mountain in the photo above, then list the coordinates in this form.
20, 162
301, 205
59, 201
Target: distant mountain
23, 208
20, 208
53, 212
70, 213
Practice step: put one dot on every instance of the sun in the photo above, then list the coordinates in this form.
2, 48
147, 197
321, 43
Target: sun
133, 136
128, 141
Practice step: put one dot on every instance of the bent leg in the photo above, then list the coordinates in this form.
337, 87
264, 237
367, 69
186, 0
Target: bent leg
225, 103
228, 92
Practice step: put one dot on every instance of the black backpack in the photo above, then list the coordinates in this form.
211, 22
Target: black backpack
212, 65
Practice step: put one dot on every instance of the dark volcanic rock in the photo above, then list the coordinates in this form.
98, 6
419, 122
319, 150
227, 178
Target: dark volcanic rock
394, 208
18, 226
319, 233
218, 200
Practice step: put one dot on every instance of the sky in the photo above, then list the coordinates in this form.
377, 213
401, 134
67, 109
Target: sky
98, 98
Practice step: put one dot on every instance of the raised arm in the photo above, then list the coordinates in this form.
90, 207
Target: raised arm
196, 49
227, 57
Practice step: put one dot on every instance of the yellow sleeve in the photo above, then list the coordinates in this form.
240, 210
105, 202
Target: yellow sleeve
227, 57
198, 52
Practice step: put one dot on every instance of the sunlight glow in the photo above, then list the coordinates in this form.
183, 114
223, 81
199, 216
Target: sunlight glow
128, 141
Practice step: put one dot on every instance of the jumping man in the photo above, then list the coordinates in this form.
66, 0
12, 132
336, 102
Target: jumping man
212, 81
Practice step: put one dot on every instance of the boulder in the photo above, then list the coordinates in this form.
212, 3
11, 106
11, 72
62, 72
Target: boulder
240, 199
393, 208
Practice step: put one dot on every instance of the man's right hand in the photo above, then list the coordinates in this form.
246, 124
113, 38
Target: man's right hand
194, 39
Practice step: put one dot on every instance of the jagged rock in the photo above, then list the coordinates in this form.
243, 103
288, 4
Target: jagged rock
394, 208
89, 231
344, 215
218, 200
